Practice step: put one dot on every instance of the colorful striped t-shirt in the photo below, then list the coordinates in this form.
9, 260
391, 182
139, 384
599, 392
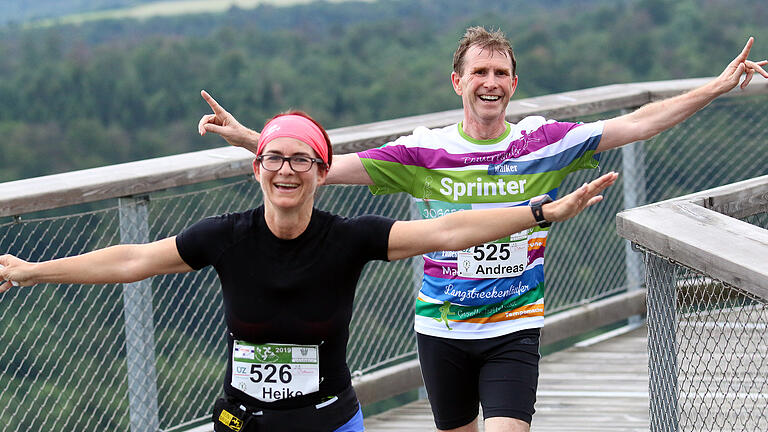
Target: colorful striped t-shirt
496, 288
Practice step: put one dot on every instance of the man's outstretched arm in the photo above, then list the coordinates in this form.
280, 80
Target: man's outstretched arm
348, 169
224, 124
345, 169
656, 117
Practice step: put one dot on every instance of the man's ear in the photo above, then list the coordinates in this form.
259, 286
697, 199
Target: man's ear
514, 86
456, 82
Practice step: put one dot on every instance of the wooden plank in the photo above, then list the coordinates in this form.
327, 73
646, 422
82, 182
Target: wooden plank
386, 383
724, 248
579, 390
739, 200
133, 178
580, 102
665, 89
43, 193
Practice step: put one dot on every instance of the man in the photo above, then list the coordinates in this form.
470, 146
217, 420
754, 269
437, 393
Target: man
479, 311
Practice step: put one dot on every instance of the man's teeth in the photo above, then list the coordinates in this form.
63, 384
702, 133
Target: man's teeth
490, 98
286, 185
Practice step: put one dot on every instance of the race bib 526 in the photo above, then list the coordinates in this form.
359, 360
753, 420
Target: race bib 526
271, 372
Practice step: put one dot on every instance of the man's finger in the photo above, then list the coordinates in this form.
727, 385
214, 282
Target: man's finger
210, 127
745, 52
203, 121
212, 103
594, 200
740, 69
581, 192
747, 79
605, 180
610, 178
756, 67
5, 281
601, 183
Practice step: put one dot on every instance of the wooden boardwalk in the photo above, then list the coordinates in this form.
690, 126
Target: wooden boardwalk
595, 386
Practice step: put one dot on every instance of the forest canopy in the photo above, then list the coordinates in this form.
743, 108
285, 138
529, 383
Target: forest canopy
79, 96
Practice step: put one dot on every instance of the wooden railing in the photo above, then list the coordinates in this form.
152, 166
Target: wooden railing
76, 187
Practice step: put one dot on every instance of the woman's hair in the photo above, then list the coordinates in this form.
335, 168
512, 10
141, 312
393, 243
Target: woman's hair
322, 129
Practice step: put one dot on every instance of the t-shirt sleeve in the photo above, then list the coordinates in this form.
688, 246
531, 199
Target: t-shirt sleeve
372, 236
577, 143
391, 166
201, 244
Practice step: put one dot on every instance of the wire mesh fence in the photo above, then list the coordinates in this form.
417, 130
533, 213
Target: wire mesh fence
64, 346
707, 352
64, 357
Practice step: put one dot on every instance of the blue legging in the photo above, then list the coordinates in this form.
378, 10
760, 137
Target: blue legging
355, 424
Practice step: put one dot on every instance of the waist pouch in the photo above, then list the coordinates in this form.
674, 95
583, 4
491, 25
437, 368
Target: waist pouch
231, 415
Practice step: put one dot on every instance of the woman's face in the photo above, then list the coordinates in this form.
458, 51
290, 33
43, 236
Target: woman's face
286, 188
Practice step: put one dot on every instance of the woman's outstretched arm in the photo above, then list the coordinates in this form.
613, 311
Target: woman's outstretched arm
114, 264
464, 229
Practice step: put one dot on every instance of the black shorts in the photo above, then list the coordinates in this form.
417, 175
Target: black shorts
501, 373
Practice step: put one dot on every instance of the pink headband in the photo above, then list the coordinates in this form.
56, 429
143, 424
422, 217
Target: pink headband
294, 126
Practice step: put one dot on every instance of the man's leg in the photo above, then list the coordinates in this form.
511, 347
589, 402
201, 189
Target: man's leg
508, 380
471, 427
505, 424
450, 373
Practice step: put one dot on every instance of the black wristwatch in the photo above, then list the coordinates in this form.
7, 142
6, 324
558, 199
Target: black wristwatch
535, 203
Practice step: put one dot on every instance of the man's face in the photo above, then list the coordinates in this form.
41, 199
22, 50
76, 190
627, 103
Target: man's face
485, 85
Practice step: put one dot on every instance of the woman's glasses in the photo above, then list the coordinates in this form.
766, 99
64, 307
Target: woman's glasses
273, 162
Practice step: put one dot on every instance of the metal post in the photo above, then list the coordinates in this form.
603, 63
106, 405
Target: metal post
662, 345
633, 173
139, 327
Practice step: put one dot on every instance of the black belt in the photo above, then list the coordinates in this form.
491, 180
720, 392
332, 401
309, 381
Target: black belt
230, 414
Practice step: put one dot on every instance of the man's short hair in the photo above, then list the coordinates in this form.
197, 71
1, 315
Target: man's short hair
484, 39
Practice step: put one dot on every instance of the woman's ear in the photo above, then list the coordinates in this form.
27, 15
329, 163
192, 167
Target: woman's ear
256, 170
322, 174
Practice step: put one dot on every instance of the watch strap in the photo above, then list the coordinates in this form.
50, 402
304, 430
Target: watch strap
537, 210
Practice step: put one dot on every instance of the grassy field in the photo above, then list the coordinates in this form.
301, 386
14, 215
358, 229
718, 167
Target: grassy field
170, 8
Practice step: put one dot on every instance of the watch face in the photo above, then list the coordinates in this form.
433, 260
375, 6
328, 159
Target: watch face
541, 199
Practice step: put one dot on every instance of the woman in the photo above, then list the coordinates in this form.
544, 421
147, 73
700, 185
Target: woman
288, 273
